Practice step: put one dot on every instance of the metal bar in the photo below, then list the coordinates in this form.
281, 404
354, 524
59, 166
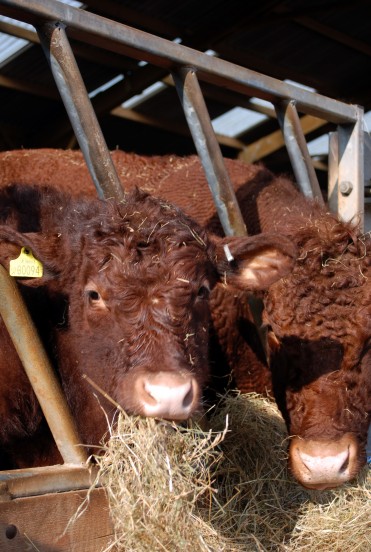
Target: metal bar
211, 157
97, 30
333, 172
351, 172
297, 149
80, 111
40, 373
208, 149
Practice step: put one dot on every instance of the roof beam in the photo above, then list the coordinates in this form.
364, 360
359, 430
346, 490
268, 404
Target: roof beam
104, 102
333, 34
182, 130
273, 142
137, 18
29, 88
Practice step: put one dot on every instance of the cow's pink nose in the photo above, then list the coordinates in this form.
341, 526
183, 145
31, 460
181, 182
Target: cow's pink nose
168, 395
324, 464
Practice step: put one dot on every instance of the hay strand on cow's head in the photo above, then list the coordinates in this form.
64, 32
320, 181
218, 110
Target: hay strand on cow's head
177, 489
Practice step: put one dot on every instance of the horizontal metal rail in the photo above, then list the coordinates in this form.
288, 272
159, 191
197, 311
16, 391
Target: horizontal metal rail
120, 38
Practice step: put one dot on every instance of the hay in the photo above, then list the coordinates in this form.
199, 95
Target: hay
155, 474
175, 489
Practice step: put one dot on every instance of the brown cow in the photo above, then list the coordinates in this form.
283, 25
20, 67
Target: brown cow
318, 316
319, 322
125, 291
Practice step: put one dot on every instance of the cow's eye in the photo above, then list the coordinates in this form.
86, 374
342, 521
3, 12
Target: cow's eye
203, 292
93, 295
94, 298
142, 245
143, 248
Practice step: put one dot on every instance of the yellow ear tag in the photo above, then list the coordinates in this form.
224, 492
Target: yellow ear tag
26, 266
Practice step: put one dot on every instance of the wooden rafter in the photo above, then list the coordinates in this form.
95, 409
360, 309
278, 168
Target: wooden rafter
274, 141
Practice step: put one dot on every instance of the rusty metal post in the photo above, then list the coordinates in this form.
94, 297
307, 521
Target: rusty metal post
40, 373
80, 111
209, 152
297, 149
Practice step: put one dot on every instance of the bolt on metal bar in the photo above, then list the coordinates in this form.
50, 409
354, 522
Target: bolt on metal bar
140, 45
80, 111
347, 172
208, 149
297, 149
40, 373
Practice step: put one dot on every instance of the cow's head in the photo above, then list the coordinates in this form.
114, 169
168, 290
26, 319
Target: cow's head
130, 283
319, 320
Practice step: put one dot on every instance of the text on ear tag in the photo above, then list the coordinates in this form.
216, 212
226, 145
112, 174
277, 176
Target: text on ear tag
26, 266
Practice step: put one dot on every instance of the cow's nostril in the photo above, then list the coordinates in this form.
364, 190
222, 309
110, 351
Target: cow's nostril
345, 464
188, 398
149, 394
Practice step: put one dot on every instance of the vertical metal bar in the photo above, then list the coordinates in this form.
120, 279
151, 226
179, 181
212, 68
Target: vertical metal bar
39, 371
216, 173
80, 111
333, 173
351, 172
367, 191
209, 152
297, 149
347, 172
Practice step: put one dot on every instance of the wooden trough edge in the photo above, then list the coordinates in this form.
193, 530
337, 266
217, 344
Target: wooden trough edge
58, 508
50, 479
72, 521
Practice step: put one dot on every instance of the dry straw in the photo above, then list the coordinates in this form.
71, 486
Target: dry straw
186, 489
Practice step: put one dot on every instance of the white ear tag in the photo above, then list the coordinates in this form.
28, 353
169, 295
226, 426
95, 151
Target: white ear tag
228, 253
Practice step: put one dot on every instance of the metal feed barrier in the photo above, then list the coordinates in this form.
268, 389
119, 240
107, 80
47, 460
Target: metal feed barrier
187, 67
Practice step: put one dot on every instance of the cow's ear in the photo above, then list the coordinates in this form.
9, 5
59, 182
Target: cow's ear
43, 248
254, 262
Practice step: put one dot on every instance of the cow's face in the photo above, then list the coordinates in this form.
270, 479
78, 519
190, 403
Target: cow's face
139, 316
139, 321
136, 280
319, 348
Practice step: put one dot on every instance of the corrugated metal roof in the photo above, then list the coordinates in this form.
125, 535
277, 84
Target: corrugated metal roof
10, 45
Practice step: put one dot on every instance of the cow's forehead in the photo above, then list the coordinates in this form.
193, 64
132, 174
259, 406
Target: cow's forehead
328, 292
322, 305
128, 262
145, 221
142, 230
